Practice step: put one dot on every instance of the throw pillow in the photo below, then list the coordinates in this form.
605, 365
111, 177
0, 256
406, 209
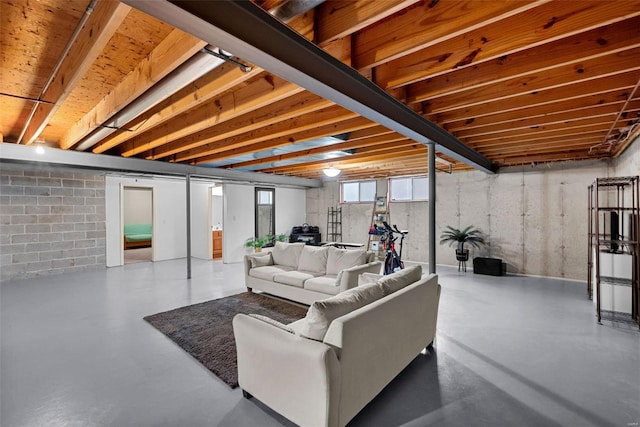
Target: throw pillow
261, 261
322, 313
340, 259
272, 322
287, 253
398, 280
314, 259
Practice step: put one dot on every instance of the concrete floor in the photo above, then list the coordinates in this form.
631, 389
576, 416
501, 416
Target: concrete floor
509, 351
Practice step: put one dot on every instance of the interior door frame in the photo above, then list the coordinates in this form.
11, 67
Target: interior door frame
123, 187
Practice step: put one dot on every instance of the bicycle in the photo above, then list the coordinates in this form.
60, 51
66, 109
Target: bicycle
393, 260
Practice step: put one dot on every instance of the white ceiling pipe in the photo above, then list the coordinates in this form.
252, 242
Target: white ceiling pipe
196, 67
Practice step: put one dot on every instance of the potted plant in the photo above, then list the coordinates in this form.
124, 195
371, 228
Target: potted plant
257, 243
470, 235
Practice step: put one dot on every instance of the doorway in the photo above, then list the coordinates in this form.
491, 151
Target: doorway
216, 221
137, 224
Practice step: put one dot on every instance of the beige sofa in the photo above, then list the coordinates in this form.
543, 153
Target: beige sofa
322, 370
306, 273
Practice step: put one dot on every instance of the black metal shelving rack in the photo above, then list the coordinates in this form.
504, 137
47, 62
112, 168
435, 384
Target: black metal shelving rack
619, 196
334, 224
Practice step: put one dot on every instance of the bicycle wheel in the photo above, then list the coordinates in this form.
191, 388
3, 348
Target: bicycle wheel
388, 265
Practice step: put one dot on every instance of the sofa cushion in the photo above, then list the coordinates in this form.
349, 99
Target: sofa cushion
323, 312
261, 261
267, 272
398, 280
293, 278
287, 253
314, 259
324, 284
339, 259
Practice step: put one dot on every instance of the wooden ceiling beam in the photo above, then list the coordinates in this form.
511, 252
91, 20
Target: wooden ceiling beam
261, 91
540, 148
427, 24
539, 135
335, 128
280, 111
528, 29
413, 148
284, 129
578, 105
553, 157
335, 20
623, 81
214, 83
592, 44
569, 118
557, 139
348, 145
588, 126
567, 75
174, 50
94, 35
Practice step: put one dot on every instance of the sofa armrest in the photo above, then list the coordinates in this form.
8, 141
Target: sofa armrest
297, 377
247, 260
349, 277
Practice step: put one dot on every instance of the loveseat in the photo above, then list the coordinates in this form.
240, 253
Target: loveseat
323, 369
307, 273
137, 235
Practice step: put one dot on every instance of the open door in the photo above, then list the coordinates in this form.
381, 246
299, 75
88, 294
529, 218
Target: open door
216, 222
137, 224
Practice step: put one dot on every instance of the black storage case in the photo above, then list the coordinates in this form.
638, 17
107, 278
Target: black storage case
489, 266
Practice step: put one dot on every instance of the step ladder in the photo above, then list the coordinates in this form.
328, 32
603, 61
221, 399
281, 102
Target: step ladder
379, 213
334, 224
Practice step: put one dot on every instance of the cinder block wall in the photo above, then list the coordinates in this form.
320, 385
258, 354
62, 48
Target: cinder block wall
51, 221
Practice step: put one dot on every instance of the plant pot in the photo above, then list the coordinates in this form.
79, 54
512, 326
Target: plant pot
257, 249
462, 255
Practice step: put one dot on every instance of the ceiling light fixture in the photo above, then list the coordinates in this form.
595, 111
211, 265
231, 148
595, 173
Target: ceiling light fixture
331, 172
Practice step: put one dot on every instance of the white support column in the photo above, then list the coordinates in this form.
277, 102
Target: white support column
188, 181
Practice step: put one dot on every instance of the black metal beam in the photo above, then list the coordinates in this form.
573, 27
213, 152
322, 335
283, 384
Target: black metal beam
252, 34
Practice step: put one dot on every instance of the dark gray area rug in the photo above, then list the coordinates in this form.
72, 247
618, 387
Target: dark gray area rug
205, 330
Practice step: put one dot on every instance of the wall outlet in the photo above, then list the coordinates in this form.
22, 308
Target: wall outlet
375, 246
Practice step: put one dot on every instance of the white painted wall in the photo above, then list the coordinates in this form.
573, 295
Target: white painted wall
200, 220
239, 215
138, 205
290, 209
169, 218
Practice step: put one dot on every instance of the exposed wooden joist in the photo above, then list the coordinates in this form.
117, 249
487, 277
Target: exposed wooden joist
348, 145
285, 109
588, 70
221, 79
91, 39
175, 49
525, 30
615, 99
263, 90
335, 128
580, 47
600, 86
283, 129
427, 24
335, 20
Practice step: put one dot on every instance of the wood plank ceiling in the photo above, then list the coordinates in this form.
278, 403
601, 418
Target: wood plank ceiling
519, 81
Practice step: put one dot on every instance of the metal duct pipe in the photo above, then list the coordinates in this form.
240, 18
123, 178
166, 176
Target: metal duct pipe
292, 8
196, 67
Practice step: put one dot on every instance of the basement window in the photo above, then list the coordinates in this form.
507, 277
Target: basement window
409, 189
357, 191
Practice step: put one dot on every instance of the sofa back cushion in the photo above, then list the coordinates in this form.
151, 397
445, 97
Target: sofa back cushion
340, 259
322, 313
137, 229
398, 280
314, 259
287, 253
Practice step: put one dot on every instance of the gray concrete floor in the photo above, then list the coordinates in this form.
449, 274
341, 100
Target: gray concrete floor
509, 351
